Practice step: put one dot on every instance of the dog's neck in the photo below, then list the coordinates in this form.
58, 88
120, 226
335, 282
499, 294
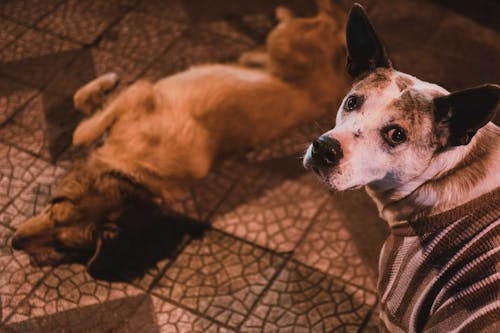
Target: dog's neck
454, 177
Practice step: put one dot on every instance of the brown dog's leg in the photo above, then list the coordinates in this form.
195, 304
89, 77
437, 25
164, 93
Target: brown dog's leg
91, 96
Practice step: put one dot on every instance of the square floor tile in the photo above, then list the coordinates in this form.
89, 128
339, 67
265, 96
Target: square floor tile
17, 276
173, 319
27, 11
17, 171
195, 47
33, 198
13, 95
329, 247
267, 209
303, 299
83, 21
293, 143
166, 9
97, 318
141, 37
44, 126
68, 287
9, 31
36, 57
218, 276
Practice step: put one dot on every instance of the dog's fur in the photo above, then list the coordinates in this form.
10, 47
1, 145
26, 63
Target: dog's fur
163, 136
448, 153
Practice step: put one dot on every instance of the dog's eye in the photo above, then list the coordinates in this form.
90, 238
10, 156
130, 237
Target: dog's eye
395, 135
352, 102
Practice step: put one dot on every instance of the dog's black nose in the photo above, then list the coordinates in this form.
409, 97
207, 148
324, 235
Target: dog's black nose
17, 243
326, 152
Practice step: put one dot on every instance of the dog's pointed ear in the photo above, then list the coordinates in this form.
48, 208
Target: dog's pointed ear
365, 51
464, 112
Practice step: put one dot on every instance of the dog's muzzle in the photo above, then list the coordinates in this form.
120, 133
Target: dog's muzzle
325, 153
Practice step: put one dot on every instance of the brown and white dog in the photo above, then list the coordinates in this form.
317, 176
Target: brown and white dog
429, 160
163, 136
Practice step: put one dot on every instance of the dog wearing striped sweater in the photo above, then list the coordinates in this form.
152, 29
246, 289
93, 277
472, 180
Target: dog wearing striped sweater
429, 160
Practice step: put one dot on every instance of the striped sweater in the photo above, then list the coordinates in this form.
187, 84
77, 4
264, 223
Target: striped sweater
442, 273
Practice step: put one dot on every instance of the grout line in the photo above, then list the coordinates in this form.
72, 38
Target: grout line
25, 299
195, 312
279, 270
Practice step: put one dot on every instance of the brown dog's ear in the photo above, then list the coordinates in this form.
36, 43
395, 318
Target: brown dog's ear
365, 51
283, 14
464, 112
108, 232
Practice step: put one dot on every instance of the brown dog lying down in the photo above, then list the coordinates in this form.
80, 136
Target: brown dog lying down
162, 136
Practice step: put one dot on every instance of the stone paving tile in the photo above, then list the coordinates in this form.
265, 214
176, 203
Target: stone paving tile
166, 9
12, 96
202, 198
305, 300
226, 29
141, 37
294, 143
44, 126
17, 171
219, 277
17, 276
83, 21
96, 318
33, 198
329, 247
270, 210
36, 57
196, 46
173, 319
9, 31
68, 287
27, 11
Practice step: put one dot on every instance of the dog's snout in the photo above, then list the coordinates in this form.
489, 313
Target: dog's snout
17, 242
326, 151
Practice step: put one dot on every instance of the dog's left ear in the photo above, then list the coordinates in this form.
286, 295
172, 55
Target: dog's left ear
365, 51
98, 261
464, 112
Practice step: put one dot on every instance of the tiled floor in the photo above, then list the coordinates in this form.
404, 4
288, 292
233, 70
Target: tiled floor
273, 251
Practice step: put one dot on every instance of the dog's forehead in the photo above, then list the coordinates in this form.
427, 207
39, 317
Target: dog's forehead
397, 90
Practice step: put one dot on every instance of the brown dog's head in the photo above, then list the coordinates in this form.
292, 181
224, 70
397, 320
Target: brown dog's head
298, 45
79, 219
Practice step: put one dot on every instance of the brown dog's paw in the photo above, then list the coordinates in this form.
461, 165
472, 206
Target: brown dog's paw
91, 96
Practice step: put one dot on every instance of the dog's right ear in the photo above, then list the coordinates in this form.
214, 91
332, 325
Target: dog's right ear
365, 51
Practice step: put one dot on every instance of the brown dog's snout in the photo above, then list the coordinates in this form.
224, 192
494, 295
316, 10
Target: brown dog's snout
17, 242
326, 152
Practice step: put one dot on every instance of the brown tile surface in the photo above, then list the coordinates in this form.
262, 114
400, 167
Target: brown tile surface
141, 37
196, 46
17, 276
270, 210
329, 247
13, 95
83, 21
33, 198
171, 318
43, 127
27, 11
219, 277
36, 57
69, 287
9, 31
17, 171
302, 299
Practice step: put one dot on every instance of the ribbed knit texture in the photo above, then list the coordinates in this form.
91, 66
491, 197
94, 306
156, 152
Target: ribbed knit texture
442, 273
